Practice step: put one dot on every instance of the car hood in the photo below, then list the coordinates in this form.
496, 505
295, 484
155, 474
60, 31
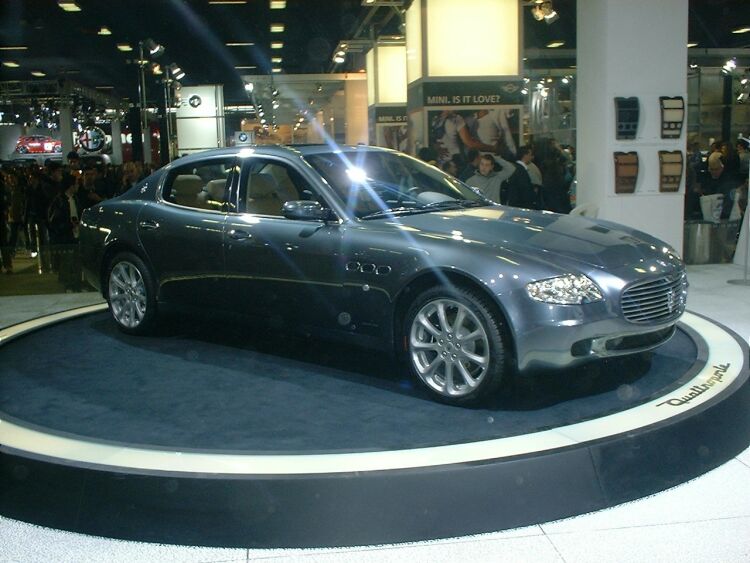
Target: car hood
549, 236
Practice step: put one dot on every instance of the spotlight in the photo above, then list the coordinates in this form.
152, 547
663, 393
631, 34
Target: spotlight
548, 12
319, 87
249, 87
176, 71
338, 59
154, 49
730, 65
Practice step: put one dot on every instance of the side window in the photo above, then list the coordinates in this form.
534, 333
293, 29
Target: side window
201, 185
267, 184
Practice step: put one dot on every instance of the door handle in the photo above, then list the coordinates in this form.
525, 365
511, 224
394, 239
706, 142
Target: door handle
238, 234
148, 224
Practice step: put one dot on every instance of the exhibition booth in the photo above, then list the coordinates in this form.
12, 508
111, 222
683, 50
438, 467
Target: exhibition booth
221, 434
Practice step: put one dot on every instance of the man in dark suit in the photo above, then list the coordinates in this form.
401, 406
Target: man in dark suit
520, 191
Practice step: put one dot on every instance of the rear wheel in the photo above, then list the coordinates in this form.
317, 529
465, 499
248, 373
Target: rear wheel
455, 345
131, 294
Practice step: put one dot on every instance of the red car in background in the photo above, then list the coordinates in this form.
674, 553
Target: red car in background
37, 144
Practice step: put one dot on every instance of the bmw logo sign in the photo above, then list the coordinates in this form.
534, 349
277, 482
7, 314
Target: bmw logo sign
194, 101
242, 137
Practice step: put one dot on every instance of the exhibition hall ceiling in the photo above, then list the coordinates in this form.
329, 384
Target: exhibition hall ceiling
219, 41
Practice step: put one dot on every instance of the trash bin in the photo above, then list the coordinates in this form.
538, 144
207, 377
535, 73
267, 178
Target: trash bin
706, 242
698, 238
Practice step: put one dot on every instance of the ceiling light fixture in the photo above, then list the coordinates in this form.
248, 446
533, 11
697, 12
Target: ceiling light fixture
238, 44
15, 48
249, 87
176, 71
278, 4
691, 45
741, 30
217, 2
277, 45
277, 28
555, 44
124, 47
38, 73
11, 64
104, 30
276, 70
276, 60
154, 49
69, 5
245, 67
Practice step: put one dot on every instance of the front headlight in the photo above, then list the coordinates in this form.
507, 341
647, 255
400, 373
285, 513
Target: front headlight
569, 289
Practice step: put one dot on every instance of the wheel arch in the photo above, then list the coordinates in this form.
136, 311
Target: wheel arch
442, 277
110, 252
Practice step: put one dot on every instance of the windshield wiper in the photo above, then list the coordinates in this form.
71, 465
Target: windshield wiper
391, 211
462, 203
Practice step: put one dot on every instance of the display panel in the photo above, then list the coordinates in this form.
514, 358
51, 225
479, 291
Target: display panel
670, 170
672, 116
626, 172
626, 115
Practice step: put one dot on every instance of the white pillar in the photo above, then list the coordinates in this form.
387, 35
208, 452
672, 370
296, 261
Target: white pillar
116, 142
356, 111
633, 48
66, 129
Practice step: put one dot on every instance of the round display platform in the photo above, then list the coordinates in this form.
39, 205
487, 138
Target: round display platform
219, 434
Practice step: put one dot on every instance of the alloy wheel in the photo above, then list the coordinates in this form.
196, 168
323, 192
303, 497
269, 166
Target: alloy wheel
127, 294
449, 347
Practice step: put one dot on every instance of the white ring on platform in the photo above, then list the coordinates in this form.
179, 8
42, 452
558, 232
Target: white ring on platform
724, 365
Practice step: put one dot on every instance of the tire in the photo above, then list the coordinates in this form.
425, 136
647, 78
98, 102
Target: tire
455, 346
131, 294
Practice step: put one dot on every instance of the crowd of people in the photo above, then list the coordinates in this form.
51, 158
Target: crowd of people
40, 210
538, 176
723, 170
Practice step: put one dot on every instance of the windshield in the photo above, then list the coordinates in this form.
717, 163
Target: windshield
376, 184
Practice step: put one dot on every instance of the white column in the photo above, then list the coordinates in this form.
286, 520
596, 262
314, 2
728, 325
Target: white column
630, 48
116, 142
356, 111
66, 129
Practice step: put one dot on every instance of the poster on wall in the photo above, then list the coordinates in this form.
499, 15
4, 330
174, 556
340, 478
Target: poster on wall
390, 127
453, 131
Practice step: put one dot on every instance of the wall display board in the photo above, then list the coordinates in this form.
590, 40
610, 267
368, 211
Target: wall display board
672, 116
671, 166
388, 127
458, 116
626, 172
627, 111
489, 129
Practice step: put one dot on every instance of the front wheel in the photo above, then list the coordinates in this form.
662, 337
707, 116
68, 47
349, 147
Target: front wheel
131, 294
455, 345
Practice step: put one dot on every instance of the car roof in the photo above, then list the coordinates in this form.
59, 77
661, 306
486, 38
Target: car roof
276, 150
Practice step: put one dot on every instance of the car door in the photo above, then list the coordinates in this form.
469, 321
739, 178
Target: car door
183, 231
284, 270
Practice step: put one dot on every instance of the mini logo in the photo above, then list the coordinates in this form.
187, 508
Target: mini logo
195, 101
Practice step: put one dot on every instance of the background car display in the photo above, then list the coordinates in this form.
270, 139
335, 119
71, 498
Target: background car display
375, 246
38, 144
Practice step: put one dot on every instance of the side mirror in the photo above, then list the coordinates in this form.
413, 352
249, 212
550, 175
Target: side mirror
306, 211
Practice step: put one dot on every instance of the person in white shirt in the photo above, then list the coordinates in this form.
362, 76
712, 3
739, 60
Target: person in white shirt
492, 129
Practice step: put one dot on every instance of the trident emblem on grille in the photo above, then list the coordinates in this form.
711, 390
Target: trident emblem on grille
670, 301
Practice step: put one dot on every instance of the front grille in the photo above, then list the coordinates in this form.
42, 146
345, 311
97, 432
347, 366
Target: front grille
658, 300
